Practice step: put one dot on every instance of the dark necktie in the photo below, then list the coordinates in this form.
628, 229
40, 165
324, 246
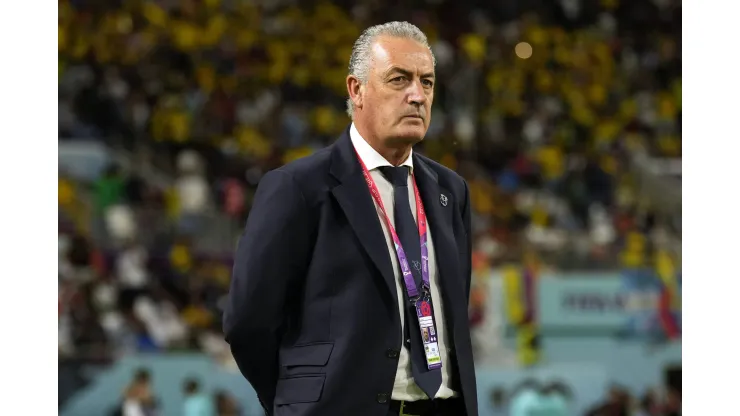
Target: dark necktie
406, 228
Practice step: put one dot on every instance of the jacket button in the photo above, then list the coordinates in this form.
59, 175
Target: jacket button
382, 398
391, 353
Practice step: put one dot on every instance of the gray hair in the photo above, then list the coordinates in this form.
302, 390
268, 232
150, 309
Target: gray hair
361, 57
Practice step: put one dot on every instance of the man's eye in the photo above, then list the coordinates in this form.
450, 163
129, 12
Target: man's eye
399, 79
427, 83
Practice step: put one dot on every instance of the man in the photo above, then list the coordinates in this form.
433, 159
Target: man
555, 399
321, 318
196, 402
525, 399
138, 398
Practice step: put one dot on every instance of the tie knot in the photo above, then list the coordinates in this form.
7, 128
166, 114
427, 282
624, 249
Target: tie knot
397, 176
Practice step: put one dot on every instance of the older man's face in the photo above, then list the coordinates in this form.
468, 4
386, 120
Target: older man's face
397, 98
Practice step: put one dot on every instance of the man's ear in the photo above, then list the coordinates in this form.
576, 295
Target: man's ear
355, 90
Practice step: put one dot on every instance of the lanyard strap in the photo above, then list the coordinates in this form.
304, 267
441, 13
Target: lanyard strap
421, 220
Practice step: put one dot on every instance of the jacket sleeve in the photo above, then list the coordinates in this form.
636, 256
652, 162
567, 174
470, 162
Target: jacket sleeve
270, 261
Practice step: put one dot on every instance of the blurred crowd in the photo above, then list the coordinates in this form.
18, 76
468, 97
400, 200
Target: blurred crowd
140, 399
530, 397
554, 398
198, 99
545, 142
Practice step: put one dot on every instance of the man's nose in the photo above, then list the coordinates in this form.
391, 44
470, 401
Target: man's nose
416, 93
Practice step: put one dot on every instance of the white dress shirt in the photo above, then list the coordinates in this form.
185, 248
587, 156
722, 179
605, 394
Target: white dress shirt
404, 387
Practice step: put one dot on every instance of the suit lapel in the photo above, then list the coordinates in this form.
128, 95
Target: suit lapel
440, 221
354, 198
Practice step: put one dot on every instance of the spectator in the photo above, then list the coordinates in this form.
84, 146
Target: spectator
525, 399
109, 189
139, 398
133, 276
649, 405
673, 403
120, 224
225, 405
556, 399
616, 404
498, 402
192, 192
161, 321
196, 403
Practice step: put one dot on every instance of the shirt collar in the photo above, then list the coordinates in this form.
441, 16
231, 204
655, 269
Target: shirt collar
370, 157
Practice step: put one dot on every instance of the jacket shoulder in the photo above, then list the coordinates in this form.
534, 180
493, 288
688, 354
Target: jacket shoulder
309, 173
446, 176
309, 165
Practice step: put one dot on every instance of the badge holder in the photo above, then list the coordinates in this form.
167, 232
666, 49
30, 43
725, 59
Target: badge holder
428, 330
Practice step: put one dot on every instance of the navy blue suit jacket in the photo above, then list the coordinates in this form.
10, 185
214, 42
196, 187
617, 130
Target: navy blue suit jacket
312, 317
